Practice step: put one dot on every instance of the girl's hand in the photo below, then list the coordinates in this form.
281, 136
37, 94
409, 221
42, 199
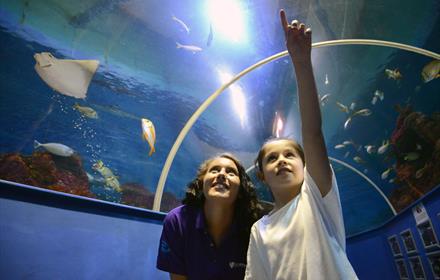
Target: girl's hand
298, 39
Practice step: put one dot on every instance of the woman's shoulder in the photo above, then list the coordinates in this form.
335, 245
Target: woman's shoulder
183, 212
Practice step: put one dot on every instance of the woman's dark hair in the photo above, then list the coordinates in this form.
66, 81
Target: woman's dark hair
261, 153
247, 209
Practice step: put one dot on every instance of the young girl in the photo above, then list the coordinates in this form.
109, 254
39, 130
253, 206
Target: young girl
207, 237
303, 237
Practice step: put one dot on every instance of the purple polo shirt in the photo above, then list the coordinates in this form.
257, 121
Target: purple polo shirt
186, 248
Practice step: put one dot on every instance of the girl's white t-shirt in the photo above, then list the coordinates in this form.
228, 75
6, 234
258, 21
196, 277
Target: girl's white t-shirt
305, 239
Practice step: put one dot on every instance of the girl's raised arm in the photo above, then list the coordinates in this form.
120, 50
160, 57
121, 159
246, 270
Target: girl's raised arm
299, 44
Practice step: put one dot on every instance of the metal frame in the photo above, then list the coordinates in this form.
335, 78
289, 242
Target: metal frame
391, 245
412, 240
421, 266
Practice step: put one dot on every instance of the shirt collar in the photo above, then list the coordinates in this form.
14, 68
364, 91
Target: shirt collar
201, 223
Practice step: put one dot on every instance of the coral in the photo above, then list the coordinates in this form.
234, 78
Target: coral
45, 170
418, 135
66, 174
137, 195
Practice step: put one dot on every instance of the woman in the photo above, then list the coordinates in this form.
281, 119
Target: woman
207, 237
303, 237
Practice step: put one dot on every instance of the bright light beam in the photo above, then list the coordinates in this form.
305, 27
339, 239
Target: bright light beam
227, 19
237, 96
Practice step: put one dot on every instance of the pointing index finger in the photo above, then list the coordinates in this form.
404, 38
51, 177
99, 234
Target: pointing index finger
284, 21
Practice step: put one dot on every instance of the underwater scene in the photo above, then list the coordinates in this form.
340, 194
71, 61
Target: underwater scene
109, 99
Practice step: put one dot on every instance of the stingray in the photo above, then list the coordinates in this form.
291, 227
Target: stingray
66, 76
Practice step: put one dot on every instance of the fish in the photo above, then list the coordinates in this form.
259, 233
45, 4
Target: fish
352, 106
411, 156
347, 122
342, 107
55, 148
339, 146
326, 79
190, 48
181, 23
393, 74
103, 170
92, 179
114, 110
362, 112
66, 76
149, 134
370, 149
109, 178
385, 174
419, 173
113, 183
86, 111
324, 99
431, 71
346, 143
382, 149
358, 159
210, 36
347, 154
392, 180
378, 95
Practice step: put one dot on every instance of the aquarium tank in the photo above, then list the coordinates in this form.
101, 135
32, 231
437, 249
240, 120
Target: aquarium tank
120, 101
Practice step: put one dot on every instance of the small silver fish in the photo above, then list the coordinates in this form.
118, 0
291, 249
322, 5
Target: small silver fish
55, 148
342, 107
362, 112
181, 23
385, 174
190, 48
370, 149
347, 122
210, 36
382, 149
326, 80
339, 146
97, 180
378, 95
324, 99
352, 106
346, 142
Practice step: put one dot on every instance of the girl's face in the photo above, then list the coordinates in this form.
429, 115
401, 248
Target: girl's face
221, 181
282, 165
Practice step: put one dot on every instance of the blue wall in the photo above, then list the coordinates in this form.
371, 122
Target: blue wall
47, 235
371, 255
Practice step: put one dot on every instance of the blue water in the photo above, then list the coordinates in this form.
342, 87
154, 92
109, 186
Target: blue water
122, 91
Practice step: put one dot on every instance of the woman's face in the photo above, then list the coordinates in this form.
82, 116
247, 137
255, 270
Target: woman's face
221, 181
282, 165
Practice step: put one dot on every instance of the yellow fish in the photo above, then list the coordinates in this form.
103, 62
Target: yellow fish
86, 111
393, 74
149, 134
431, 71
